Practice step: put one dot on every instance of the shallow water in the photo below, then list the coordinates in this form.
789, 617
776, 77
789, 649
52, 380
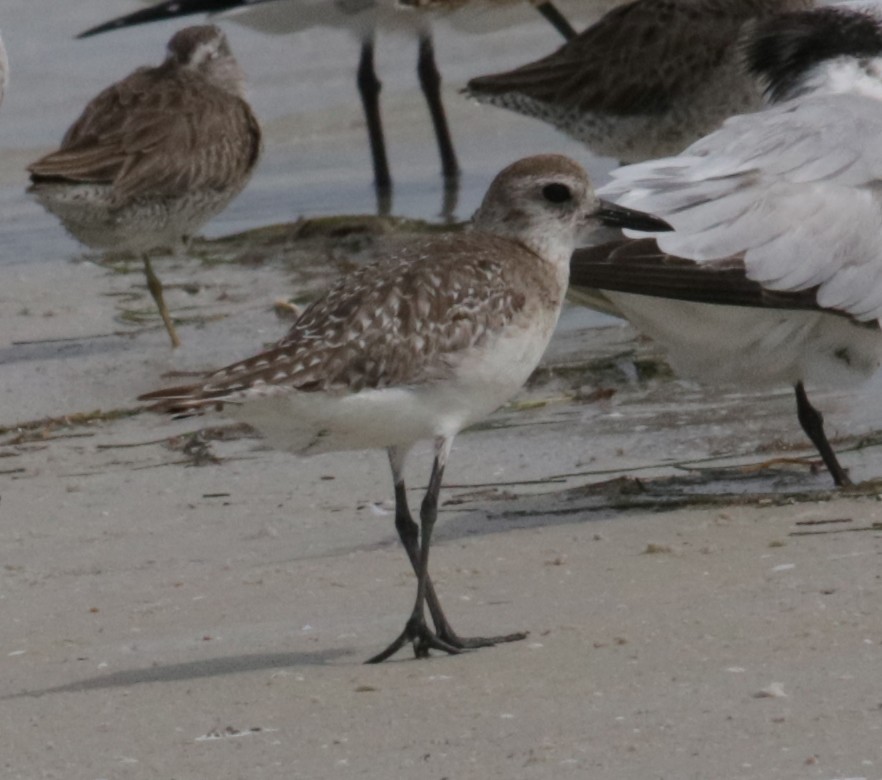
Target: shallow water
302, 86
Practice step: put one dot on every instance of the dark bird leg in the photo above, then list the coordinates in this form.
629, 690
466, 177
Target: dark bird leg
155, 287
445, 638
812, 422
430, 81
369, 87
557, 19
416, 630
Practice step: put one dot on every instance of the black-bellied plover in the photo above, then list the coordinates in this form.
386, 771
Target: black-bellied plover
645, 81
418, 346
777, 214
362, 18
155, 155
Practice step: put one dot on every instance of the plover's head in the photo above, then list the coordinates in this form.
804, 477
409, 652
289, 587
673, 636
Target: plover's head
826, 50
204, 49
543, 202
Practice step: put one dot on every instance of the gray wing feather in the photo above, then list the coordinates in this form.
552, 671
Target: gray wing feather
793, 188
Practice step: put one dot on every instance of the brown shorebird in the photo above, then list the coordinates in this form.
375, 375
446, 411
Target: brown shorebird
155, 155
772, 272
419, 346
363, 18
645, 81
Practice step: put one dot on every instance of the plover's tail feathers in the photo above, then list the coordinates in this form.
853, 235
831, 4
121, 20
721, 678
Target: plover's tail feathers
182, 401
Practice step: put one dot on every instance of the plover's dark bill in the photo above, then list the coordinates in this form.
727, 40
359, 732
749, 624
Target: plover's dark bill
645, 81
155, 155
362, 18
418, 346
778, 216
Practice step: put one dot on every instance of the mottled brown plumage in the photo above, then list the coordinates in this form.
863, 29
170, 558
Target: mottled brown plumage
403, 321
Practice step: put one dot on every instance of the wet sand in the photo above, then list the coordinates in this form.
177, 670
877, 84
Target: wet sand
199, 606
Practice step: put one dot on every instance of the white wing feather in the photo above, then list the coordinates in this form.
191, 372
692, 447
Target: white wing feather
796, 188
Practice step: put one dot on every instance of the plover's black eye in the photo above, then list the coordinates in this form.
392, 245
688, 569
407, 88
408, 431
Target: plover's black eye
557, 193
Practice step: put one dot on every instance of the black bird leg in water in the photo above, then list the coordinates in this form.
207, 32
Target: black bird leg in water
416, 629
557, 19
430, 82
369, 88
812, 422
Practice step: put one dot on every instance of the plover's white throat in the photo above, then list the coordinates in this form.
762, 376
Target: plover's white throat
645, 81
155, 155
363, 18
778, 211
418, 346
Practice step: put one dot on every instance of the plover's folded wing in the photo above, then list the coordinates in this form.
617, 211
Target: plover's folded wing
644, 41
406, 321
794, 189
147, 134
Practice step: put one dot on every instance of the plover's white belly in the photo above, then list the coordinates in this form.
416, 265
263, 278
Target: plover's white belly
755, 347
308, 423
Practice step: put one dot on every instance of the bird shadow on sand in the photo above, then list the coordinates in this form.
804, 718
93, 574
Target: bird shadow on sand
190, 670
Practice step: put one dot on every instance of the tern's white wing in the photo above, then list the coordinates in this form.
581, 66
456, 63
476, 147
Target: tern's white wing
796, 188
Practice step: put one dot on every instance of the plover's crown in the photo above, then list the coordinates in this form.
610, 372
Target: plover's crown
785, 50
408, 319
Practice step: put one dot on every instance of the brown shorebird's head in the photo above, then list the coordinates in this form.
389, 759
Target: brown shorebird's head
205, 50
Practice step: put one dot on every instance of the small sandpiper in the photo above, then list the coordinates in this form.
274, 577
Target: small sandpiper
418, 346
645, 81
156, 155
772, 271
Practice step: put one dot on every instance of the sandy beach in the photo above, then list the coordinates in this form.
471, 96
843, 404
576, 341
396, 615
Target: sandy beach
180, 602
190, 606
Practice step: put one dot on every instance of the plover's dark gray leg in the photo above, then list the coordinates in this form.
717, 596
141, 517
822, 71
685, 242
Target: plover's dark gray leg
416, 630
416, 542
812, 422
155, 287
369, 87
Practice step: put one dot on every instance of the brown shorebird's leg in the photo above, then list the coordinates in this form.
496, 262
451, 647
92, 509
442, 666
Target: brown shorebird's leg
155, 287
556, 18
812, 422
416, 631
430, 81
369, 87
